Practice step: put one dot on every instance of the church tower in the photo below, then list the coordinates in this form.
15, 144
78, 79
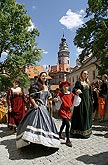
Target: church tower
58, 72
63, 54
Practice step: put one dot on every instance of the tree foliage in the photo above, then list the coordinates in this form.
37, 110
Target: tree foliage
92, 37
17, 39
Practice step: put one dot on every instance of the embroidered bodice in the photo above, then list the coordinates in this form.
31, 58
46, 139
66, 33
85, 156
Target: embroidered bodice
16, 92
36, 93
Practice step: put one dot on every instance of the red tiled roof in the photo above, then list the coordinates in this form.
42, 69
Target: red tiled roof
60, 68
34, 71
54, 68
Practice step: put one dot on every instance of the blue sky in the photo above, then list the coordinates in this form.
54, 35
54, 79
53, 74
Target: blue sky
52, 17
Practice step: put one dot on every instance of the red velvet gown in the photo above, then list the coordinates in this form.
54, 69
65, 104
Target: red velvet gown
16, 101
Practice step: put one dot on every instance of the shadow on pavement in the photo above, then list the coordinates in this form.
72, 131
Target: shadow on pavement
28, 152
95, 159
100, 126
5, 131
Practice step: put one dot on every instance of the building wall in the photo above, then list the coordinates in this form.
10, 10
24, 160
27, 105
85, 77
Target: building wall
57, 77
64, 60
92, 74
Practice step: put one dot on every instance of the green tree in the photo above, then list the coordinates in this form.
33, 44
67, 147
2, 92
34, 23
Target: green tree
17, 39
92, 37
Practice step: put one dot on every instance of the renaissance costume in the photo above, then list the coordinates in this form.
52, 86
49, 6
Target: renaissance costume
15, 100
37, 125
81, 122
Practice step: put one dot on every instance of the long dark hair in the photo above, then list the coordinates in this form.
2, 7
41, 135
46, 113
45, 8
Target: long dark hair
39, 81
87, 80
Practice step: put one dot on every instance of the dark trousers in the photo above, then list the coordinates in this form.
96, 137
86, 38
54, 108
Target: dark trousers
65, 122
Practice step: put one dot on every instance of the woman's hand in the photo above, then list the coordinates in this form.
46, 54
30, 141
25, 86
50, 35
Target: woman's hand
78, 91
9, 109
55, 100
26, 109
34, 103
35, 106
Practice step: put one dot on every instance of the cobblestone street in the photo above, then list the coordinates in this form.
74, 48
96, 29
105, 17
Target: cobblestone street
92, 151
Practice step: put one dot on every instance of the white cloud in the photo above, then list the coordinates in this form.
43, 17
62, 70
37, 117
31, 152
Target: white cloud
72, 20
44, 52
30, 28
82, 11
79, 50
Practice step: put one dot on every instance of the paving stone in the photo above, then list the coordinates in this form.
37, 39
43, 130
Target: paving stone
92, 151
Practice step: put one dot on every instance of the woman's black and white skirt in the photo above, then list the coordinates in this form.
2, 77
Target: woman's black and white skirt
37, 127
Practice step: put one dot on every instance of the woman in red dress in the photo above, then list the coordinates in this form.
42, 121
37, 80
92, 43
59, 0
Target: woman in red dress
16, 105
64, 112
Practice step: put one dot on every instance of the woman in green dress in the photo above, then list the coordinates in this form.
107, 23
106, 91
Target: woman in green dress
81, 122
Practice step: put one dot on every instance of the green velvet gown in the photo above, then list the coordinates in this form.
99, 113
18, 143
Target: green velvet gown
81, 122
